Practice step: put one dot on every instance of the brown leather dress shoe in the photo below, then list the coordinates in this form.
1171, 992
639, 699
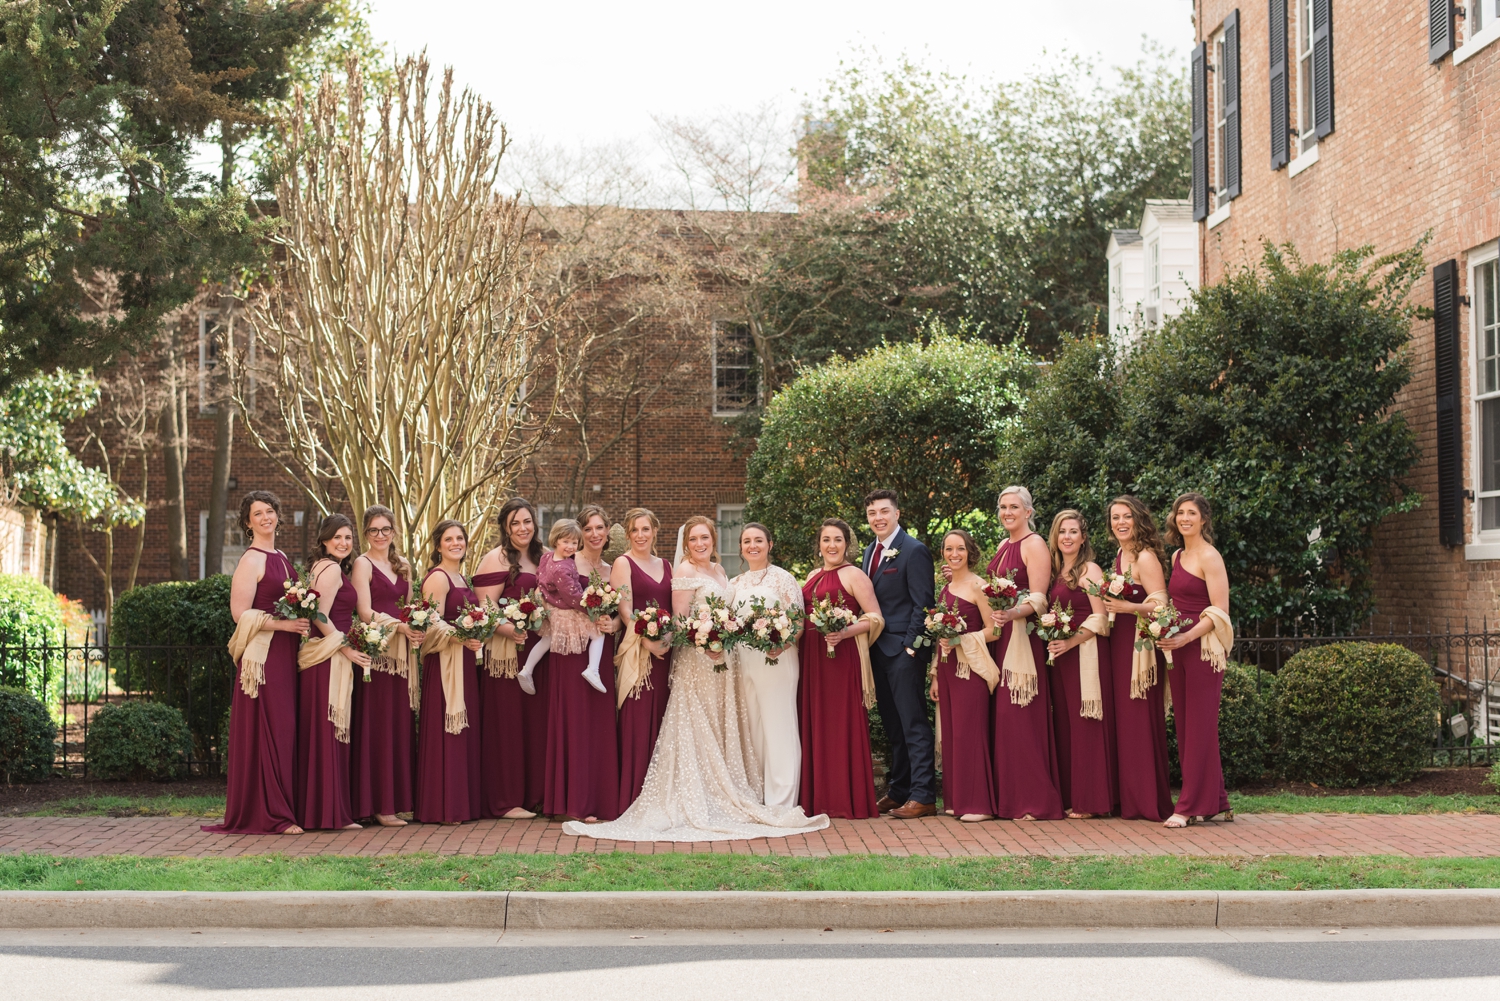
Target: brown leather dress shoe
912, 810
885, 804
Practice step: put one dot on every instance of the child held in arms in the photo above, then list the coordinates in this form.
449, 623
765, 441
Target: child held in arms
567, 626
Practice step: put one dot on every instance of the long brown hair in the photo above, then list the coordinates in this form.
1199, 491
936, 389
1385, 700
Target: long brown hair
436, 539
399, 563
1174, 537
971, 548
844, 530
327, 529
512, 554
713, 534
1085, 548
1143, 531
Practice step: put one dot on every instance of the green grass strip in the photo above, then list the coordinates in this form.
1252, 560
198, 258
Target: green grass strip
133, 806
622, 871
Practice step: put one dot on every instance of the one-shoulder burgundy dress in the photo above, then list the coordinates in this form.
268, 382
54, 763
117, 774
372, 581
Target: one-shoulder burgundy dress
1196, 689
1026, 780
263, 730
382, 744
583, 752
448, 764
967, 715
323, 802
512, 724
1083, 748
1140, 725
641, 716
838, 777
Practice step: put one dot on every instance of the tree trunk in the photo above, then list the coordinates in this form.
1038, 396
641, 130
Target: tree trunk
174, 466
218, 497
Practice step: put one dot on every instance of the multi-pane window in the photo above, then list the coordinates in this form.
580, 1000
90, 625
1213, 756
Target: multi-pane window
1153, 272
1307, 132
731, 520
1221, 128
210, 338
1486, 315
736, 386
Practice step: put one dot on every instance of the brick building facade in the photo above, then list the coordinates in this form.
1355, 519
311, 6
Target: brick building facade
1331, 125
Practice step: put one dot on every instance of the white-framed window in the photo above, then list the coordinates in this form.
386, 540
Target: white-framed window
1481, 26
1484, 319
234, 544
1221, 128
735, 369
210, 341
1153, 282
730, 519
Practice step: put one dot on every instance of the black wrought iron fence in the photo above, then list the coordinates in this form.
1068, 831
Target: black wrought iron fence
75, 680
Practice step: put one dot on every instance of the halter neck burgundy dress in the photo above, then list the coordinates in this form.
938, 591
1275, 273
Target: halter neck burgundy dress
323, 802
583, 753
1085, 764
1196, 689
838, 777
966, 712
263, 730
641, 714
512, 724
381, 744
1140, 725
1026, 779
448, 764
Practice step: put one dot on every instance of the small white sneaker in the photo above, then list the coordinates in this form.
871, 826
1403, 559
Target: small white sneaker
591, 675
524, 680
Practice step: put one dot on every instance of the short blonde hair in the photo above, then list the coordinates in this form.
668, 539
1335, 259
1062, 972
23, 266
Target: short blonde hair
713, 534
564, 528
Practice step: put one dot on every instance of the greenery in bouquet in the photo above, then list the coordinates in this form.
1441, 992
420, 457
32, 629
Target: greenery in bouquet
769, 626
710, 626
1056, 623
299, 600
828, 615
601, 598
369, 639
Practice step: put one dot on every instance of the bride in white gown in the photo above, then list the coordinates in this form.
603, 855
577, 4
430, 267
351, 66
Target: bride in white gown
699, 785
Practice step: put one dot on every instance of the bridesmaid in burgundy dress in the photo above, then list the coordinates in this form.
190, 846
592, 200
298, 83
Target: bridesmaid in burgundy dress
1198, 581
513, 725
1026, 774
1138, 677
838, 778
263, 725
1088, 789
382, 745
448, 763
323, 801
965, 707
583, 754
649, 580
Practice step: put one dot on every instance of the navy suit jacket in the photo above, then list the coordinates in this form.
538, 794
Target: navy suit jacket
903, 586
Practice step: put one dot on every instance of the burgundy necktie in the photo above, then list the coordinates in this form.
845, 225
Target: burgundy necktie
875, 557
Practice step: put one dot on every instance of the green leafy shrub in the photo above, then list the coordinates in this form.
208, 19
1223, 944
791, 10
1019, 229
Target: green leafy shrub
1245, 727
178, 613
1355, 713
138, 740
26, 736
31, 629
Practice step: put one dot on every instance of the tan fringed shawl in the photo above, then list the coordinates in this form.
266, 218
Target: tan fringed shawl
340, 677
632, 666
973, 654
1091, 693
1018, 667
1143, 662
500, 658
1217, 643
250, 646
399, 659
863, 641
443, 641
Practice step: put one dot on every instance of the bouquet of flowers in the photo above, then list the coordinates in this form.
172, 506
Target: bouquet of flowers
829, 616
942, 623
651, 622
1002, 593
601, 598
476, 622
299, 600
768, 627
525, 613
710, 627
1165, 623
419, 613
368, 638
1112, 585
1056, 623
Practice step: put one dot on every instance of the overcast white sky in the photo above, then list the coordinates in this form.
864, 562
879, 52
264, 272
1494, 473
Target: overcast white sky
592, 72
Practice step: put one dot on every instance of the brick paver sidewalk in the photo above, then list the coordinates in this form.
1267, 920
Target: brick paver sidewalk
1428, 836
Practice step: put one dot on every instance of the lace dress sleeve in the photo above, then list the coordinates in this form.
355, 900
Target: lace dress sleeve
788, 590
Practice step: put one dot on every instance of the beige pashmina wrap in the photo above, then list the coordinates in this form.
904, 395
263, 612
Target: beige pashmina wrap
1090, 692
331, 648
443, 641
250, 646
1018, 666
1143, 662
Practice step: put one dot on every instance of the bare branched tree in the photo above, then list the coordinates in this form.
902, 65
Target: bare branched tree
396, 341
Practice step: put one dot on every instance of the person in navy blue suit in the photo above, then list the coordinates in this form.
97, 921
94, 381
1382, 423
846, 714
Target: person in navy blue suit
900, 567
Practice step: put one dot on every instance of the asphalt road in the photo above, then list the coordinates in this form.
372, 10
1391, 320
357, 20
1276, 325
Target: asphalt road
1358, 965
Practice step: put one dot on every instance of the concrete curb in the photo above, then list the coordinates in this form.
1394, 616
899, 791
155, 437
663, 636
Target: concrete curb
521, 911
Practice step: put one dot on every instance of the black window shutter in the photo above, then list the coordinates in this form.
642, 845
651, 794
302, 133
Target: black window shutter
1450, 463
1322, 57
1281, 107
1440, 29
1231, 71
1200, 132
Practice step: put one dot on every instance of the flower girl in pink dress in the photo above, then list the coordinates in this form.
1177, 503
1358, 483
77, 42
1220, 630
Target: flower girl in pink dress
557, 577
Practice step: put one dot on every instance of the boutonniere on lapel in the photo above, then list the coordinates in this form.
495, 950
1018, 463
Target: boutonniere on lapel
889, 554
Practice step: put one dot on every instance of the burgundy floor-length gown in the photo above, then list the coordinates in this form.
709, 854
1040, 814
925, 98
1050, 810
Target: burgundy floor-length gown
838, 777
967, 714
381, 739
1140, 725
1087, 784
1196, 688
583, 753
323, 802
640, 718
263, 730
1026, 775
513, 725
448, 765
